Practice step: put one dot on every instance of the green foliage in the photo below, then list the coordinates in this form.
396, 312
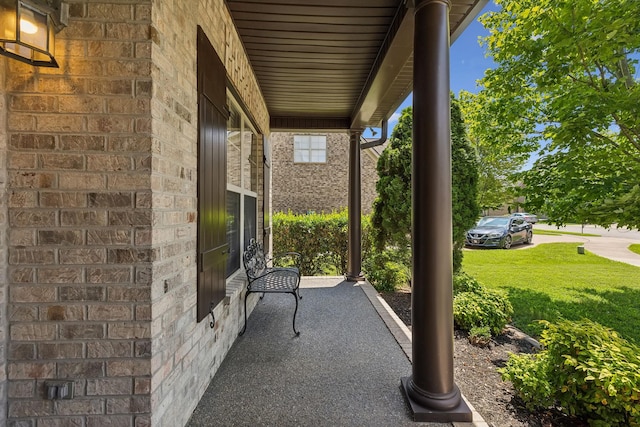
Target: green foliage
462, 282
497, 162
387, 270
577, 186
321, 239
464, 183
584, 370
552, 281
635, 248
566, 76
480, 336
391, 218
475, 306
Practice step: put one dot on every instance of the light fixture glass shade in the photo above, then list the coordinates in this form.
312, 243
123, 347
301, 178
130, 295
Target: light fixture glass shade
27, 33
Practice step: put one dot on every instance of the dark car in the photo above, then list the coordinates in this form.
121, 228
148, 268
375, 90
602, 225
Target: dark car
499, 232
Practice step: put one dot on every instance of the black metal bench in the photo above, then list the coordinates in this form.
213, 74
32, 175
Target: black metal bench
265, 279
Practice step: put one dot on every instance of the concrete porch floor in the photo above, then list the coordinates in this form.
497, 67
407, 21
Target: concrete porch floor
343, 370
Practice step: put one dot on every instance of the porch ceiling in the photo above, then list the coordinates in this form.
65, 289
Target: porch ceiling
334, 64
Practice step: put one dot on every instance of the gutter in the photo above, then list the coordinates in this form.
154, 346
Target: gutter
382, 140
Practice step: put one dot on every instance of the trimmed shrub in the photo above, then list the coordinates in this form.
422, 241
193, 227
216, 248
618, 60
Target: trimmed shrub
386, 270
585, 369
462, 282
321, 239
476, 306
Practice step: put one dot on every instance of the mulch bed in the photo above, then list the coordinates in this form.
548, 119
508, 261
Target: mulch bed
475, 371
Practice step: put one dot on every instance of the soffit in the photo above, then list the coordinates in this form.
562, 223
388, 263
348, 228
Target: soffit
333, 63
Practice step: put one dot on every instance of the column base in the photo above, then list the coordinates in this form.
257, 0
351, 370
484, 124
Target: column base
459, 413
350, 277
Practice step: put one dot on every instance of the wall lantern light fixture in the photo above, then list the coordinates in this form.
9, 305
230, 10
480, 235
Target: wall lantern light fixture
28, 28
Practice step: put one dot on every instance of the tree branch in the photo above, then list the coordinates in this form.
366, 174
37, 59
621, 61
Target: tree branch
623, 64
589, 83
583, 57
628, 133
615, 144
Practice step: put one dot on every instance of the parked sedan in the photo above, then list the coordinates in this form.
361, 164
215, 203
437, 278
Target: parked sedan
531, 218
499, 232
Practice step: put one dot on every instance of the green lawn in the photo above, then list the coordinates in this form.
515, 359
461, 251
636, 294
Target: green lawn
559, 232
635, 248
552, 280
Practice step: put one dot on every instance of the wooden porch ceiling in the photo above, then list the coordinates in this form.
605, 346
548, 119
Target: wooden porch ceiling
334, 64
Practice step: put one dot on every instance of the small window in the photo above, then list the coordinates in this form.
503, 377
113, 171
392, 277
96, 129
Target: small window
310, 149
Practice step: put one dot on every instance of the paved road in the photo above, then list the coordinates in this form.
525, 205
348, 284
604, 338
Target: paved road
612, 243
615, 233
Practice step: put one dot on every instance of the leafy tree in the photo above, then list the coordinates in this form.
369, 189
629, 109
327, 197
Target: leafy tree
565, 76
576, 186
391, 218
497, 164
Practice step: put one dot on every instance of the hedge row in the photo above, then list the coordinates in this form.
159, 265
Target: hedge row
321, 239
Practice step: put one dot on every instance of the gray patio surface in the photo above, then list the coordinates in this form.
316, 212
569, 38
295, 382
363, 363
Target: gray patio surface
343, 370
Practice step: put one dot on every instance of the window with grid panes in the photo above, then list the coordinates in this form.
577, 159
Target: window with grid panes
310, 148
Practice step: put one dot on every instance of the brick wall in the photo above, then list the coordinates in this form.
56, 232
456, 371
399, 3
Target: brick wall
319, 187
186, 354
3, 244
80, 255
101, 188
369, 178
173, 179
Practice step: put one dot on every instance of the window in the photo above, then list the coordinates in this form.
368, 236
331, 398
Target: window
250, 212
234, 148
250, 163
242, 182
233, 232
310, 148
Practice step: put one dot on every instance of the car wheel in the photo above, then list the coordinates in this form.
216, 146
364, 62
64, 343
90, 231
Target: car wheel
506, 244
529, 237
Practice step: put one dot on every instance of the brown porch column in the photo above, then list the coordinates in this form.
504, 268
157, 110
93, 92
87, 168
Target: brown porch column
431, 392
354, 261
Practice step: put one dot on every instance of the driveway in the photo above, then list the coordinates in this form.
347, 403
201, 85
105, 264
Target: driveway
612, 243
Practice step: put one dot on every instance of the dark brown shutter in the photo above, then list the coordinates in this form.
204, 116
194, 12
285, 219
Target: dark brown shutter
212, 177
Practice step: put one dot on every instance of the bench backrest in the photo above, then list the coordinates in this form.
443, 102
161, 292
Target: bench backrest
255, 263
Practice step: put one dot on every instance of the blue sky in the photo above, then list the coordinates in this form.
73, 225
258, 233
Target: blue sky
468, 63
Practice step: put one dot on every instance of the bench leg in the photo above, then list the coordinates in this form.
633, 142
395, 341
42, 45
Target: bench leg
294, 314
244, 328
246, 295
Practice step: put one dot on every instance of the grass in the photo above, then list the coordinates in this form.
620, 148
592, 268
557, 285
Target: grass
559, 232
635, 248
552, 281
